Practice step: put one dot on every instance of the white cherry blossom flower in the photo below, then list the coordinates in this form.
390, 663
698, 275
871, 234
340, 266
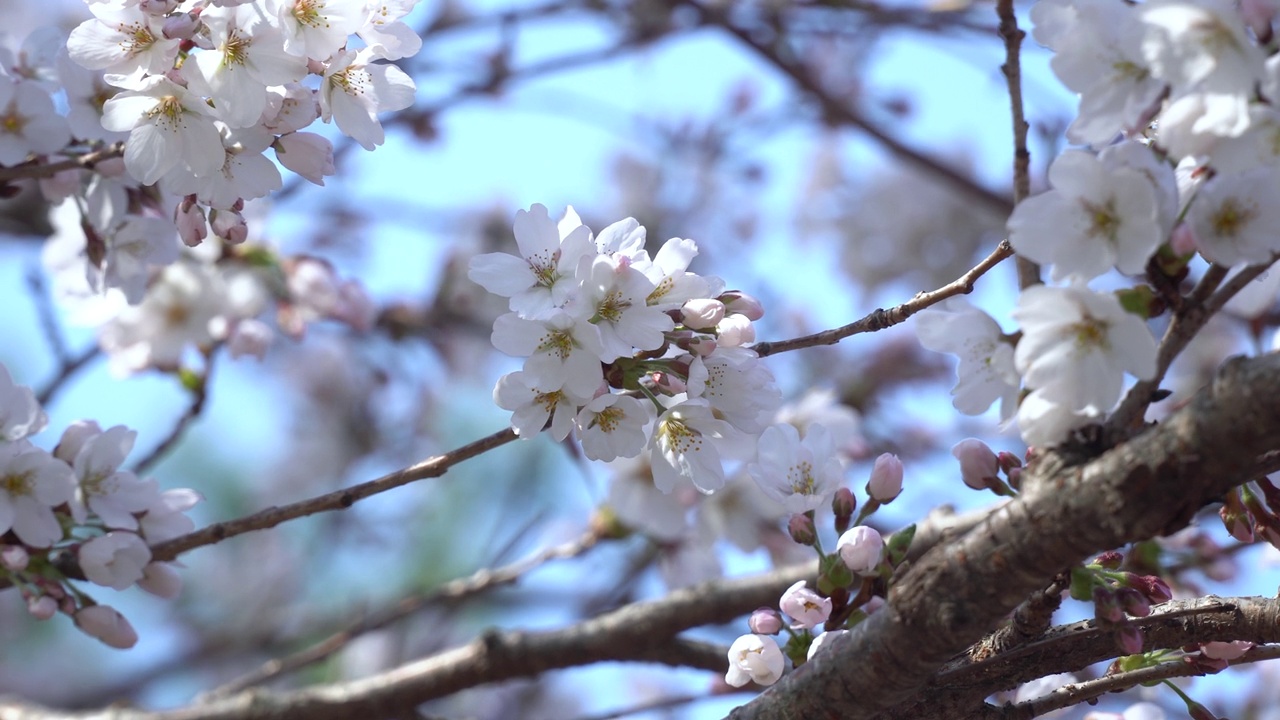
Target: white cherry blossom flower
1200, 44
247, 56
754, 658
114, 495
683, 447
673, 284
32, 483
1097, 58
246, 174
168, 127
355, 89
317, 28
165, 519
543, 276
612, 426
175, 315
28, 122
986, 371
532, 406
115, 560
123, 41
741, 391
805, 606
1078, 344
800, 474
20, 414
612, 294
384, 31
563, 351
1233, 217
1094, 218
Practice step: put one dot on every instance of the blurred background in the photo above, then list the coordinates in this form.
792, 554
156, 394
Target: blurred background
706, 129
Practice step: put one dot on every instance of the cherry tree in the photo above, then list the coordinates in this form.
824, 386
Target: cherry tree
689, 468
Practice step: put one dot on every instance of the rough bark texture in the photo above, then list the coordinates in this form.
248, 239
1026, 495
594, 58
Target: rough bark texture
1150, 485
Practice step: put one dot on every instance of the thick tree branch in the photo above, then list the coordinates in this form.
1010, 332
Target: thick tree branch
955, 594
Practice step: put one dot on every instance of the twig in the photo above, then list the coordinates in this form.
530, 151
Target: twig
879, 319
85, 161
477, 582
336, 500
1028, 271
1202, 303
199, 395
835, 108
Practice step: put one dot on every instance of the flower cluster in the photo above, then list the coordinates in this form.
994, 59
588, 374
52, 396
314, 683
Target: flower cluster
197, 91
635, 352
77, 500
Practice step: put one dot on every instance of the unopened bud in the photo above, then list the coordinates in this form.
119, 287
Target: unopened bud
14, 557
765, 621
735, 330
1008, 461
42, 607
1156, 590
182, 26
861, 549
701, 313
108, 625
843, 503
1225, 650
229, 225
801, 529
886, 478
736, 301
1129, 639
977, 463
1106, 607
1133, 602
1110, 560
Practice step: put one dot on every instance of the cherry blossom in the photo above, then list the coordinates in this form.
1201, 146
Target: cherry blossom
32, 483
805, 606
800, 474
1078, 344
563, 351
754, 658
532, 405
115, 560
168, 127
542, 276
20, 413
612, 294
355, 90
683, 447
986, 371
28, 122
860, 548
612, 426
1094, 218
1233, 217
123, 41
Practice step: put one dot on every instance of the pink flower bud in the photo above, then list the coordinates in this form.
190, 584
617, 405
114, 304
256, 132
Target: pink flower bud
229, 225
1225, 650
765, 621
74, 437
735, 330
14, 557
1129, 639
109, 626
182, 26
1156, 590
162, 580
1110, 560
860, 548
701, 313
801, 529
1182, 241
977, 462
843, 503
192, 226
42, 607
1133, 602
1106, 607
668, 383
886, 478
736, 301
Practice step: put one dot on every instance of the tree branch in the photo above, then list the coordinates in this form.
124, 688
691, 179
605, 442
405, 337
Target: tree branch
956, 593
